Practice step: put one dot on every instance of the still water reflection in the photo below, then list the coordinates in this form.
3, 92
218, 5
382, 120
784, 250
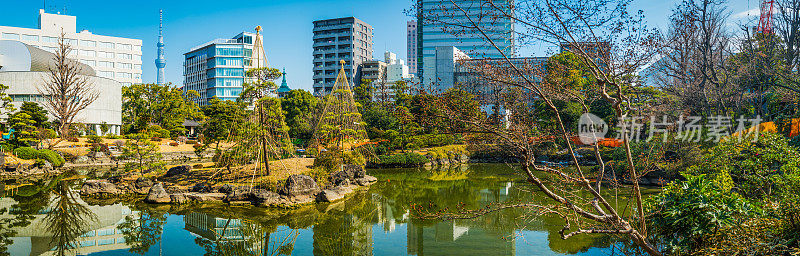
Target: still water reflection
49, 219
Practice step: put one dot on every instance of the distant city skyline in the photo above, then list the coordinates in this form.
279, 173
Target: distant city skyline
287, 26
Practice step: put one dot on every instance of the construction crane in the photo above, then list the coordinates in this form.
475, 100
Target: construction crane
765, 21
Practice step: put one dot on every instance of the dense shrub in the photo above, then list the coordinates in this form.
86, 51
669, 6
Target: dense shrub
94, 139
403, 160
26, 153
52, 157
750, 168
191, 142
686, 213
44, 154
330, 160
156, 139
73, 139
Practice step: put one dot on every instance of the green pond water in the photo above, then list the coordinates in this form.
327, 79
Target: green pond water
44, 220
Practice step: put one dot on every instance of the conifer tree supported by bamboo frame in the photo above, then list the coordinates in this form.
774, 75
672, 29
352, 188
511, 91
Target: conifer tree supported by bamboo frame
339, 126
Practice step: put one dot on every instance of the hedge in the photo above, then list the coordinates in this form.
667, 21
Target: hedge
26, 153
403, 160
52, 157
44, 154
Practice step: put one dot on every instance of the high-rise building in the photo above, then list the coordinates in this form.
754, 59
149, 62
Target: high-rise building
116, 58
217, 68
432, 32
411, 40
160, 61
347, 39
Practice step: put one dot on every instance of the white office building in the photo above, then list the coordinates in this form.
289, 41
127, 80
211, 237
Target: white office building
116, 58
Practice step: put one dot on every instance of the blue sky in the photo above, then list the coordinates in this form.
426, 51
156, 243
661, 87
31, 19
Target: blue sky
287, 25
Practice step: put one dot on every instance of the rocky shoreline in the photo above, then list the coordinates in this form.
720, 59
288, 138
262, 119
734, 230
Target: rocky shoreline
297, 189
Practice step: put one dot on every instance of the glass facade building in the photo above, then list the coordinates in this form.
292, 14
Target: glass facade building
218, 68
432, 32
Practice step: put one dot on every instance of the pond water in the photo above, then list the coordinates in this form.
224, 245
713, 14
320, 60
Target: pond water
49, 219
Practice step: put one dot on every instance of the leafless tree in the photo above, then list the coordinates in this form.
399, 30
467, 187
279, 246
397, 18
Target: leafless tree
612, 44
694, 64
67, 91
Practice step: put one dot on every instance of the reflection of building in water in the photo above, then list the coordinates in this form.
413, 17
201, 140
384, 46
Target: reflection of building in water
34, 239
450, 238
344, 234
465, 236
213, 228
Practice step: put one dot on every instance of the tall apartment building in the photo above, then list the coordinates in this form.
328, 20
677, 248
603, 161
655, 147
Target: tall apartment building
217, 68
347, 39
432, 33
116, 58
411, 41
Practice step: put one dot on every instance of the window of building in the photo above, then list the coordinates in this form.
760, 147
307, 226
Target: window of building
107, 55
120, 240
124, 65
91, 63
49, 39
137, 66
125, 56
10, 36
106, 74
125, 46
87, 243
87, 43
106, 64
105, 241
107, 45
137, 76
31, 38
124, 75
88, 53
106, 232
73, 42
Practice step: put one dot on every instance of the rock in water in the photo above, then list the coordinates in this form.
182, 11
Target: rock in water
178, 170
299, 185
366, 180
157, 194
330, 195
178, 198
91, 187
265, 197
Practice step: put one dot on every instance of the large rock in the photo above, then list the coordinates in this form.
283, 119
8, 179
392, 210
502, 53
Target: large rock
178, 198
202, 188
347, 175
157, 194
336, 193
299, 185
265, 197
205, 197
366, 180
92, 187
143, 182
178, 170
81, 160
234, 194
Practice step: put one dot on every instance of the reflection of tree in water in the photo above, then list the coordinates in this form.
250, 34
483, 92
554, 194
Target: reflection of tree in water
243, 237
67, 219
28, 202
346, 229
145, 231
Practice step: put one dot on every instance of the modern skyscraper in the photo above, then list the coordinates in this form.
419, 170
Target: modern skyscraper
160, 61
116, 58
347, 39
431, 20
411, 40
217, 68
